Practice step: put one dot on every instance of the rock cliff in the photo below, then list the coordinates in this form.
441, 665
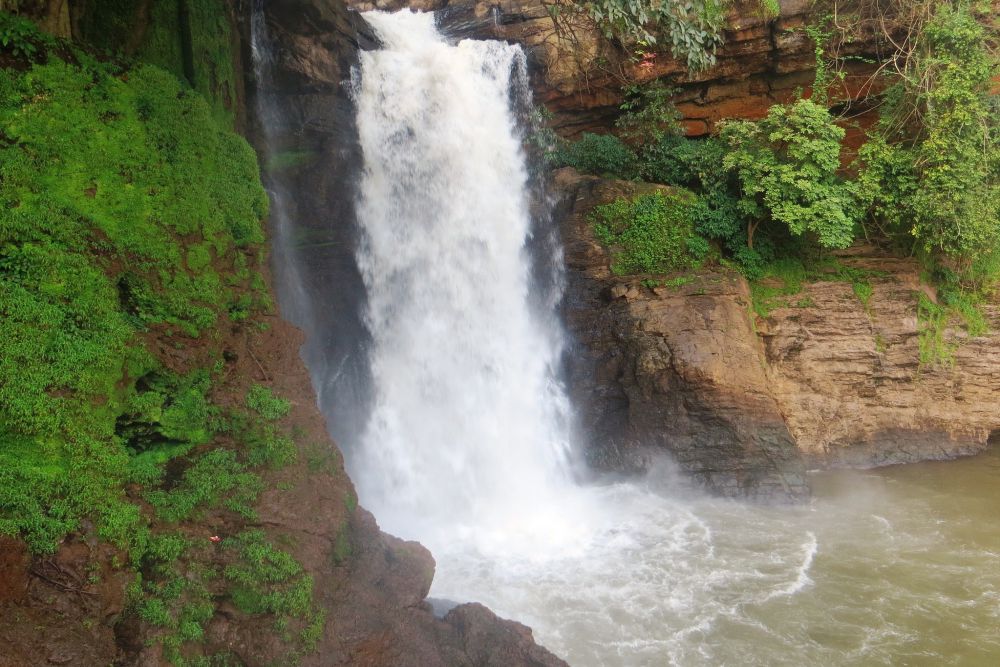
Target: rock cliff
675, 369
848, 376
745, 403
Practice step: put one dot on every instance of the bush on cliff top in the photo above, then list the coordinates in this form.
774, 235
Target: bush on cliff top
652, 233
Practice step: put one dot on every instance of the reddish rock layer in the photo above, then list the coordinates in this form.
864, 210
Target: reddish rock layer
763, 61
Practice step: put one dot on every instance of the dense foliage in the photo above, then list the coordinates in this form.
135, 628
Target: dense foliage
601, 154
932, 170
130, 238
775, 194
652, 233
121, 203
787, 167
692, 29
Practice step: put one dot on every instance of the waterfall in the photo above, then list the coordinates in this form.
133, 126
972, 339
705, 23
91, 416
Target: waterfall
292, 297
469, 431
464, 442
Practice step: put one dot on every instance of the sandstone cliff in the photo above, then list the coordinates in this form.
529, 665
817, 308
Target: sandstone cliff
849, 381
675, 369
745, 403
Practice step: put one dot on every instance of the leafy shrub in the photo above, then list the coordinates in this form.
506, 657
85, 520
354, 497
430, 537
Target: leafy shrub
21, 37
599, 154
653, 233
787, 166
930, 170
266, 404
268, 447
693, 28
214, 477
676, 160
649, 114
267, 580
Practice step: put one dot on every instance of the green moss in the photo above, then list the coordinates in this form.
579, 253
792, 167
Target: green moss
268, 580
933, 321
210, 70
863, 290
781, 279
342, 546
213, 478
785, 278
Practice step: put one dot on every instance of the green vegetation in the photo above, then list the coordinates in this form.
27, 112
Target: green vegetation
691, 28
787, 167
652, 233
130, 236
195, 44
267, 405
648, 113
931, 171
20, 37
600, 154
774, 194
180, 597
122, 201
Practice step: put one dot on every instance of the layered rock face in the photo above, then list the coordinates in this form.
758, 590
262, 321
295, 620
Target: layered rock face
850, 383
674, 369
744, 403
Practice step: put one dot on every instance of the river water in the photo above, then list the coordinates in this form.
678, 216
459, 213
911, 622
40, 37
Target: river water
468, 444
898, 566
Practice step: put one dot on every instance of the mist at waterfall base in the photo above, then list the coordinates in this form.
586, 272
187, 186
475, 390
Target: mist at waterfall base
468, 443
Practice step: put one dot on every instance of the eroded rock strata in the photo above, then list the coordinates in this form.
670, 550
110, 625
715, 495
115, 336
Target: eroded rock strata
745, 403
848, 376
670, 369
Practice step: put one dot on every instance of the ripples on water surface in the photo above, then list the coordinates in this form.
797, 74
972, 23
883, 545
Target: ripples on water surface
897, 566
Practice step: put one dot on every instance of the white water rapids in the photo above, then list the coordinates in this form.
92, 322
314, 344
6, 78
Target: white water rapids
468, 447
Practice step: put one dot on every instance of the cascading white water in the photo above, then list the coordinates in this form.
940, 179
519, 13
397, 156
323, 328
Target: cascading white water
469, 430
467, 447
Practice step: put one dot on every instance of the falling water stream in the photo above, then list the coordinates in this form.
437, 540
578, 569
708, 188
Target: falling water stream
468, 444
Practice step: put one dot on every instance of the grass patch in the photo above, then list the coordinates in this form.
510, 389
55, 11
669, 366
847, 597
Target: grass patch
266, 404
785, 278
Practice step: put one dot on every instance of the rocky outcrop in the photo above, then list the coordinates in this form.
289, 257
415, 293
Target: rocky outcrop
743, 403
305, 133
675, 369
850, 383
